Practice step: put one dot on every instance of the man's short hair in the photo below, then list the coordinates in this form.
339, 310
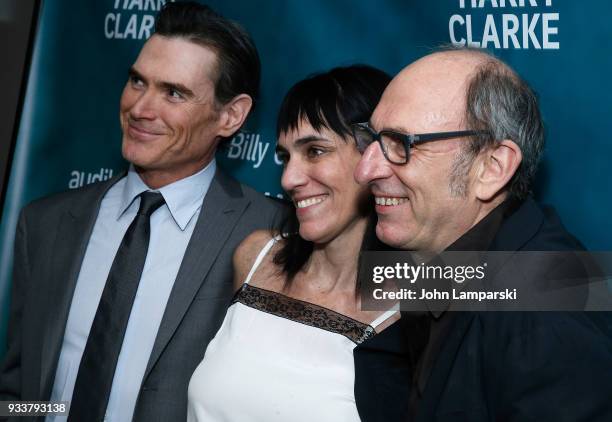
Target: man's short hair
238, 66
499, 102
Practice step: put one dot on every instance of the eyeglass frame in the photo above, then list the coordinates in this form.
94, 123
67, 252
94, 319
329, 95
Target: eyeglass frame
411, 139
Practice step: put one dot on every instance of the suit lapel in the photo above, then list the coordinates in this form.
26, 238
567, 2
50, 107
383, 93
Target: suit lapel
222, 208
513, 234
72, 236
440, 372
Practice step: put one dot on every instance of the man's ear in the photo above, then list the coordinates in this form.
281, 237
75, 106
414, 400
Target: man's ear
496, 168
234, 113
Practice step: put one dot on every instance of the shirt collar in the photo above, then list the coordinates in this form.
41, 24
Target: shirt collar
183, 197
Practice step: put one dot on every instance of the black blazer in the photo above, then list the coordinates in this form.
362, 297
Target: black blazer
503, 366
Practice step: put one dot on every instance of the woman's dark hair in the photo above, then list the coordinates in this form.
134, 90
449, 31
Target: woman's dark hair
332, 100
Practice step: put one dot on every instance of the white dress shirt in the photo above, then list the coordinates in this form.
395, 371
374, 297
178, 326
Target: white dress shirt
171, 228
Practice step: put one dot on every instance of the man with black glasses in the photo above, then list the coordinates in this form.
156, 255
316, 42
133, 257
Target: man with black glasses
450, 154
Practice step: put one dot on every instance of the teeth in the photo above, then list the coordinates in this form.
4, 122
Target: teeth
388, 201
310, 201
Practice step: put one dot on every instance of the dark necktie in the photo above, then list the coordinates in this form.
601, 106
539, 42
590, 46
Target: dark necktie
95, 377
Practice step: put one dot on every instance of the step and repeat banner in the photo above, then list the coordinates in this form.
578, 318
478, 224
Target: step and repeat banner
69, 134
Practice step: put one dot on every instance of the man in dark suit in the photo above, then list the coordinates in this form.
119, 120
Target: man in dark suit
465, 186
119, 286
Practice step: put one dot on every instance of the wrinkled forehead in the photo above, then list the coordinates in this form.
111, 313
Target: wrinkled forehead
176, 59
427, 96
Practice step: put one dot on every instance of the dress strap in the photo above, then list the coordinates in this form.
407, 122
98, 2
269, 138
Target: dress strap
260, 258
385, 316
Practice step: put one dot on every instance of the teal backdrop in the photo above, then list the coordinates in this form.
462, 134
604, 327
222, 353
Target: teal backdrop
69, 132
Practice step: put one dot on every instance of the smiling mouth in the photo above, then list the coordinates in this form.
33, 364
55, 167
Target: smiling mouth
141, 130
313, 200
389, 201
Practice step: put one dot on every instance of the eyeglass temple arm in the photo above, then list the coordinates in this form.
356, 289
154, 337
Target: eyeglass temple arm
425, 137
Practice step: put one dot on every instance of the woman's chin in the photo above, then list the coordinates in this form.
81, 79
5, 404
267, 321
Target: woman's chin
312, 234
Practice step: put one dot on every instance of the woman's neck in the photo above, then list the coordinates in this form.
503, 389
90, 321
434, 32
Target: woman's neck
333, 265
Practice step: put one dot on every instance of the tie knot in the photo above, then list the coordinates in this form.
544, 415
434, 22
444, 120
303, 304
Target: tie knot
149, 202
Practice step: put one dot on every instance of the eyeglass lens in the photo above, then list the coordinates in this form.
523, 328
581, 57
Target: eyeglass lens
394, 147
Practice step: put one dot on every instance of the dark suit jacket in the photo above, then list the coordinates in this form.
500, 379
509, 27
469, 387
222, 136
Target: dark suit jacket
513, 366
51, 239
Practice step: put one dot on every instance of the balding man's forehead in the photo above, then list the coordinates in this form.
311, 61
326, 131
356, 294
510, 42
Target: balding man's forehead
424, 97
389, 105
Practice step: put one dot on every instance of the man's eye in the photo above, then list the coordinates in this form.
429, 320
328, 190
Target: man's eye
174, 94
136, 81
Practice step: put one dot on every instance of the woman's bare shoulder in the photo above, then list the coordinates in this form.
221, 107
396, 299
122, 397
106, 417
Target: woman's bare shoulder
246, 253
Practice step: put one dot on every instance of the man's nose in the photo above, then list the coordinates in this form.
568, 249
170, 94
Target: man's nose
144, 107
372, 165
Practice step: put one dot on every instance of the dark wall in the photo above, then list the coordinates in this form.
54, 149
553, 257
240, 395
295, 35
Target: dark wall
16, 24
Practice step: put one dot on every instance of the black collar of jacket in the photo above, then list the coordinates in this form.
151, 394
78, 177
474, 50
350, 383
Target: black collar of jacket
483, 235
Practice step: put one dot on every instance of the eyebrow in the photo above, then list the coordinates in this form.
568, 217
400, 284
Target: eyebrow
166, 85
309, 139
389, 128
303, 141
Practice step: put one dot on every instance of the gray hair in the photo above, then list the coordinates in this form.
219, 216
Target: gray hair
500, 103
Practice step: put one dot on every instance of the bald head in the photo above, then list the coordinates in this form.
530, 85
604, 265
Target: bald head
452, 181
437, 84
450, 65
454, 65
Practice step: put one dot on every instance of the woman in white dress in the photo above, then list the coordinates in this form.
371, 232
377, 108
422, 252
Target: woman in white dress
285, 349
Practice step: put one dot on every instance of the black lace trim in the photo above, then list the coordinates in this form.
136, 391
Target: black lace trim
303, 312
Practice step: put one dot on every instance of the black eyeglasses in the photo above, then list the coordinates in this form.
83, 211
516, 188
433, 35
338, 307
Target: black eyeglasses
396, 145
